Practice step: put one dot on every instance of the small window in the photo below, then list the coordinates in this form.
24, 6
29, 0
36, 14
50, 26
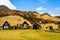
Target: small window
25, 25
6, 27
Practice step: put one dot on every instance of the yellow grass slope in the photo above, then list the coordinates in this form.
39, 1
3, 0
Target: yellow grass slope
28, 35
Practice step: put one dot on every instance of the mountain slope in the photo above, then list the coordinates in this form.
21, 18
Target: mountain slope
30, 16
3, 7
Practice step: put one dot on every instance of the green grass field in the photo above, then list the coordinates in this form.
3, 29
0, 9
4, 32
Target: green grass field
28, 35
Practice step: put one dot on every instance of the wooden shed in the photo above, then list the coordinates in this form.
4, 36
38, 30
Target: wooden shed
6, 25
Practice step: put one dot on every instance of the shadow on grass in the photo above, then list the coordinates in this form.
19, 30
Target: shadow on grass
52, 31
56, 32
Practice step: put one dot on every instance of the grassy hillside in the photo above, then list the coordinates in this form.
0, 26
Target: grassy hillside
28, 35
18, 16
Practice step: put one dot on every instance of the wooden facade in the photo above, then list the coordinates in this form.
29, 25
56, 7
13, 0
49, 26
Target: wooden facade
6, 25
35, 26
25, 25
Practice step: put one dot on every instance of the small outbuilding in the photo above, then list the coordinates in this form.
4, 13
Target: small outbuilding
50, 26
35, 26
6, 25
25, 25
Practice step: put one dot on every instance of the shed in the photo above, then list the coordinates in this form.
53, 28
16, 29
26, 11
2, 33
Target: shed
35, 26
6, 25
25, 24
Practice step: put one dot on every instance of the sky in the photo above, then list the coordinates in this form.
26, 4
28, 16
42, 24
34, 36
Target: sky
41, 6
